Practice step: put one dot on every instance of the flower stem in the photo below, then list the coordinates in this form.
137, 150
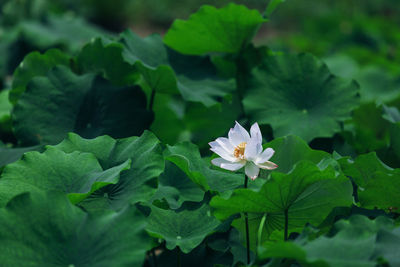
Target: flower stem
285, 237
246, 220
260, 231
152, 96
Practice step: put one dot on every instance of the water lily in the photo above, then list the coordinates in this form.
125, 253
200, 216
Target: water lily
242, 149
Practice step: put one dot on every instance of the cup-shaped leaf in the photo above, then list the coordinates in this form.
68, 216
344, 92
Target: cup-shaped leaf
227, 29
167, 71
63, 102
35, 64
306, 194
50, 231
296, 94
378, 184
105, 57
291, 149
175, 187
76, 174
356, 242
135, 184
187, 157
185, 229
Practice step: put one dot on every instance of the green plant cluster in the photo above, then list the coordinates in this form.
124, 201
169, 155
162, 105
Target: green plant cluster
109, 162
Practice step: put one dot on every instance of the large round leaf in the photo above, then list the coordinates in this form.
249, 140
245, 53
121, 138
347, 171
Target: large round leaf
69, 31
296, 94
382, 191
368, 131
289, 150
307, 194
166, 71
227, 29
376, 84
35, 64
175, 187
185, 229
378, 184
105, 57
357, 242
136, 184
202, 129
363, 167
50, 231
76, 174
187, 157
150, 56
63, 102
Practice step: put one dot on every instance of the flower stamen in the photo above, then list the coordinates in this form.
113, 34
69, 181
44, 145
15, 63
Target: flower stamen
239, 150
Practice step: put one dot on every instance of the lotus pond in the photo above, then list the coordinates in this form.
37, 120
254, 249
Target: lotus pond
251, 133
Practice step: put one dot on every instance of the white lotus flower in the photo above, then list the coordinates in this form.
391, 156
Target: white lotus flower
242, 149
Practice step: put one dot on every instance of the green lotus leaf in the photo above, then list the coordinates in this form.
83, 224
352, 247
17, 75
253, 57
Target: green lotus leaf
64, 102
76, 174
342, 65
41, 117
101, 147
198, 80
105, 57
187, 157
166, 71
356, 242
185, 229
171, 109
175, 187
202, 129
307, 194
150, 51
388, 246
378, 184
382, 191
149, 55
296, 94
368, 130
228, 29
50, 231
69, 31
363, 167
135, 184
289, 150
35, 64
376, 84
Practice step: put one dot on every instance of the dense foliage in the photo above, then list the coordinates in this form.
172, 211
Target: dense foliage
104, 150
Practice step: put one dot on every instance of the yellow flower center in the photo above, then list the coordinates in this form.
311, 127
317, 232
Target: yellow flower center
239, 150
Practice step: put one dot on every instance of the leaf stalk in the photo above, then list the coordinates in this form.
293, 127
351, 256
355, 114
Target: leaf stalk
246, 220
285, 237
